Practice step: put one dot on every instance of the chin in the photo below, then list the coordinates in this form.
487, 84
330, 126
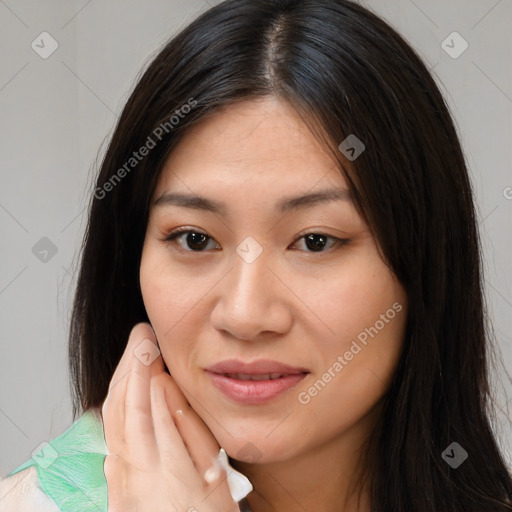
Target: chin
258, 449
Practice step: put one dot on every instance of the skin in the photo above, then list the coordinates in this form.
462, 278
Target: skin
155, 441
291, 304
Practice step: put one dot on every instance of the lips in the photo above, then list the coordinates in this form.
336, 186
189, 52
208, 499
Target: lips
255, 368
254, 383
253, 376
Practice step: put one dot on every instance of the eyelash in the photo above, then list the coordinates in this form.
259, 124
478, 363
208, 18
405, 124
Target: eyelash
176, 233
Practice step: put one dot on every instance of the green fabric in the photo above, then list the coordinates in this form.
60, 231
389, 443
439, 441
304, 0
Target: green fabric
70, 467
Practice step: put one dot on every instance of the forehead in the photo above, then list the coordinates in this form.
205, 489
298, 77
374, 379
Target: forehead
261, 145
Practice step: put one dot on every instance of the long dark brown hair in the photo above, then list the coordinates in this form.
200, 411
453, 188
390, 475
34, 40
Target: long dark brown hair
345, 71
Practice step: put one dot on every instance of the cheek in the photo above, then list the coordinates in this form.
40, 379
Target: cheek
168, 302
351, 300
365, 310
369, 324
168, 294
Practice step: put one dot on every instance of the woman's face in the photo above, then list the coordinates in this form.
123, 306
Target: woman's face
249, 284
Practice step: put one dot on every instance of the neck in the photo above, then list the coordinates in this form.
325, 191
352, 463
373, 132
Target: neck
321, 478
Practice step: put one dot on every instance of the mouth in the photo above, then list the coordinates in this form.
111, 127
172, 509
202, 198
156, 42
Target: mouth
255, 376
254, 383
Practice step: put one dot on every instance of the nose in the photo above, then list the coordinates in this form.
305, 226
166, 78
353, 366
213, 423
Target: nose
252, 300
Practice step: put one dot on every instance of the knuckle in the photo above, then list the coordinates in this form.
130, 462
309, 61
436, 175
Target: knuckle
107, 467
111, 467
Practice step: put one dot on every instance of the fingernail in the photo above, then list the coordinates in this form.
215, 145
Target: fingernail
211, 474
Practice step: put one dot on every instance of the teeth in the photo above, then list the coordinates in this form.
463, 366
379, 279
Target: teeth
246, 376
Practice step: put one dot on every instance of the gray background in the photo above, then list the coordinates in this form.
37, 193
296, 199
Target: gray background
57, 112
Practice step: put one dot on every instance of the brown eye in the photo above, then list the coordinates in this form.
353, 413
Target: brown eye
316, 242
194, 240
197, 241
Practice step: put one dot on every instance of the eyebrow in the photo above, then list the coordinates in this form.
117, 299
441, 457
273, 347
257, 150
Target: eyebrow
293, 203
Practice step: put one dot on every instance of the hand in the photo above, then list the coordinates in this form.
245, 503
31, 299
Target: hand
157, 456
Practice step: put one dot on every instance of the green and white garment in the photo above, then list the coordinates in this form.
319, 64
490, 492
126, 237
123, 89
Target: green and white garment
66, 474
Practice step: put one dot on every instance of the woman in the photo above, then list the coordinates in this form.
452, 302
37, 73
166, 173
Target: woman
284, 200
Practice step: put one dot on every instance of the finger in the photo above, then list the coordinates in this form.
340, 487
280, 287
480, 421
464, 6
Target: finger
113, 413
201, 445
171, 448
194, 459
113, 409
146, 362
197, 437
137, 334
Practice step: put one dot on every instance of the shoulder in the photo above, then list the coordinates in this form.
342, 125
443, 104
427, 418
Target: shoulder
21, 493
65, 473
